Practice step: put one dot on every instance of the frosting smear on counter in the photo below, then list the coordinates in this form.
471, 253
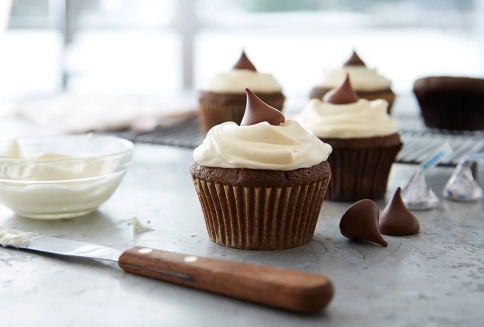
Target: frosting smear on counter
138, 227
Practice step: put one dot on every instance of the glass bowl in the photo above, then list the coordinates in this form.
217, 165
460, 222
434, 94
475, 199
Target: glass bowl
62, 176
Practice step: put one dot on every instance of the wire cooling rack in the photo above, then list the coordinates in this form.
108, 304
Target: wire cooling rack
418, 140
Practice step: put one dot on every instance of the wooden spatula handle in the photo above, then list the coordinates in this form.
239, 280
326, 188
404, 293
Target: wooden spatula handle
281, 288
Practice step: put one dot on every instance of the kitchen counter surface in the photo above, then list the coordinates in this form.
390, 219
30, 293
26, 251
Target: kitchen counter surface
435, 278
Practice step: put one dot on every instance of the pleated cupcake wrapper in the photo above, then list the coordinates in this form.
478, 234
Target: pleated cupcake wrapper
454, 113
214, 113
261, 218
360, 173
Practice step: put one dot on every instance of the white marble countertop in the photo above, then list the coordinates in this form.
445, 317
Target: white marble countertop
434, 278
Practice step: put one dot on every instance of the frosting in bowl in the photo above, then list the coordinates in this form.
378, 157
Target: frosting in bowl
362, 78
50, 166
61, 176
261, 146
360, 119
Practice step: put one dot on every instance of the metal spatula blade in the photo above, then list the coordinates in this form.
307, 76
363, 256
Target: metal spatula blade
73, 248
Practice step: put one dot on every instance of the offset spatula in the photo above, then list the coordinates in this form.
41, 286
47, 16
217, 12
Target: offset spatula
280, 288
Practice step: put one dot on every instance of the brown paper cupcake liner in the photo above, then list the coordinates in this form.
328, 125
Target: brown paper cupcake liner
360, 173
318, 93
262, 218
444, 110
453, 103
213, 113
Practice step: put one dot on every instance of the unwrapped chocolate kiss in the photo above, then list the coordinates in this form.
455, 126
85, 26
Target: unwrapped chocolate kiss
396, 219
257, 111
360, 222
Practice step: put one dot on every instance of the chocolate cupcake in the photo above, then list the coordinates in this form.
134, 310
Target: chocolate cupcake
261, 185
223, 98
454, 103
364, 139
366, 82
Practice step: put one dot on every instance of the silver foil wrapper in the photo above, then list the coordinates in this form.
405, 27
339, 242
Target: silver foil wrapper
462, 185
417, 195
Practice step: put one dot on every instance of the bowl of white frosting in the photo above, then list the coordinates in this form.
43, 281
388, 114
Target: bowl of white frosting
61, 176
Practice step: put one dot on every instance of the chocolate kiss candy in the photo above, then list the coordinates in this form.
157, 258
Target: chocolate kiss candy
354, 60
257, 111
244, 63
396, 220
360, 221
461, 185
417, 195
342, 94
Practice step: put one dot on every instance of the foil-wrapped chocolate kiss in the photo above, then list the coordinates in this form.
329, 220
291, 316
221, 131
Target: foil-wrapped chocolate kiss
462, 185
417, 195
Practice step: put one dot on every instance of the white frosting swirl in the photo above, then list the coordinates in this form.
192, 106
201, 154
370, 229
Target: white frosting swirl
343, 121
361, 78
236, 80
261, 146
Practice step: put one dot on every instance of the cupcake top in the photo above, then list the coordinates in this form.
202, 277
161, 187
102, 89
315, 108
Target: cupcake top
450, 84
362, 78
264, 140
342, 115
243, 75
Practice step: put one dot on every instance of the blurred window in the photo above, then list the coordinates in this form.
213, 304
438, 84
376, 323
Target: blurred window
295, 40
171, 45
29, 14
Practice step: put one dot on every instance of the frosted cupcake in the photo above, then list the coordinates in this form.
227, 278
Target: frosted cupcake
223, 98
364, 139
261, 185
366, 82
